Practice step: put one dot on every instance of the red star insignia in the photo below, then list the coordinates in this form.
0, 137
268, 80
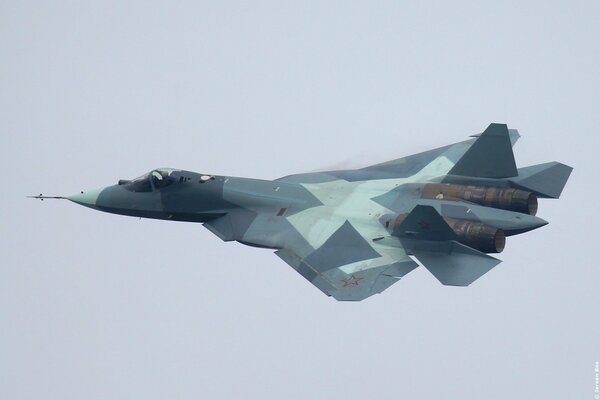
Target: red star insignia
353, 280
424, 225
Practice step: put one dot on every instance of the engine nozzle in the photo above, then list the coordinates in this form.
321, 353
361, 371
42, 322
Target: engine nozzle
504, 198
484, 238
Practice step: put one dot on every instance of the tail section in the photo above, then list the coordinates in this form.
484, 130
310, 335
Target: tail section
457, 264
545, 180
424, 223
491, 155
426, 235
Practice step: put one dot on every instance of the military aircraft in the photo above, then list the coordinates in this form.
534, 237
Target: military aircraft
352, 233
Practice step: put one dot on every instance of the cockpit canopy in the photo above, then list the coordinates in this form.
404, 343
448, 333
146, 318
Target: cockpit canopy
153, 180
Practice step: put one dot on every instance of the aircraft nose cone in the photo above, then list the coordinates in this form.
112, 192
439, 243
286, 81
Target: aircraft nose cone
87, 198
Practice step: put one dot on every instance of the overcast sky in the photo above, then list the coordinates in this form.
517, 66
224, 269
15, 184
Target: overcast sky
99, 306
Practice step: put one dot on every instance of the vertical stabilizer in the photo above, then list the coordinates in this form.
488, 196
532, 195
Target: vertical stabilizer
491, 155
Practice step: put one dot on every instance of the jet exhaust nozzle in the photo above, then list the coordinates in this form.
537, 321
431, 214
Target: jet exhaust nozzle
476, 235
503, 198
484, 238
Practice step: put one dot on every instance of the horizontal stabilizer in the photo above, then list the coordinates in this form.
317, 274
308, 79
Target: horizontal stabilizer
424, 223
545, 180
490, 156
460, 266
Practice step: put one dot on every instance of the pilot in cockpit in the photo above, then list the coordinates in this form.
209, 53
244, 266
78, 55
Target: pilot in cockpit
157, 179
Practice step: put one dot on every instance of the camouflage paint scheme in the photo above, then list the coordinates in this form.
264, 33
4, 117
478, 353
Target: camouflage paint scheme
351, 232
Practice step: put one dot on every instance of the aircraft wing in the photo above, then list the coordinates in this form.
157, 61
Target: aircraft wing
348, 266
435, 162
351, 267
442, 159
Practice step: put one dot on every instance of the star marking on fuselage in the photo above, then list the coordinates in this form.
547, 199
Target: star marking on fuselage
424, 225
353, 280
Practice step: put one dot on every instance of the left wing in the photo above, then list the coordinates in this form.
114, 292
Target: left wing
348, 266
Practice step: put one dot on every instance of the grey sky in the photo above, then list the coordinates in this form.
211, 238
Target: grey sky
97, 306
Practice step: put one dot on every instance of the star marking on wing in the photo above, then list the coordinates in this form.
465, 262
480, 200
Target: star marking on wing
353, 280
424, 225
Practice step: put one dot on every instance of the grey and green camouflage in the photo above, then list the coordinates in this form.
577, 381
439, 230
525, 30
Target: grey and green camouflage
354, 233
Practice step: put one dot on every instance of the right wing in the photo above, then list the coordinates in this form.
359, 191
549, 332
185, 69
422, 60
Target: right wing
348, 266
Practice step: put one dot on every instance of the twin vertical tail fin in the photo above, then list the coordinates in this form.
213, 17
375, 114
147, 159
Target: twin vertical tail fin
491, 157
431, 240
489, 161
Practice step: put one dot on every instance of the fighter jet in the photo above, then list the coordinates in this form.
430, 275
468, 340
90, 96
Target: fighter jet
354, 233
